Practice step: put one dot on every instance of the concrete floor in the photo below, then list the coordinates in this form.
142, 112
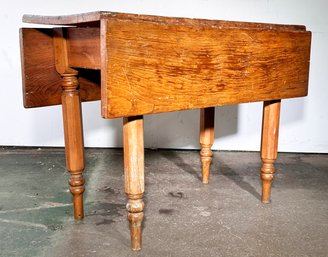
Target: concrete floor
183, 216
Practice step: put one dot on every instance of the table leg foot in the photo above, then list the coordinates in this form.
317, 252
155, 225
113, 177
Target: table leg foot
134, 176
76, 183
206, 159
206, 139
267, 173
269, 145
135, 208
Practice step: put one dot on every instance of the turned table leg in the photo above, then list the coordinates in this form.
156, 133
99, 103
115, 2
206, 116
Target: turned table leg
73, 131
134, 175
269, 145
206, 138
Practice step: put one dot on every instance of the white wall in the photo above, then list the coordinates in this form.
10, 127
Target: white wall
304, 121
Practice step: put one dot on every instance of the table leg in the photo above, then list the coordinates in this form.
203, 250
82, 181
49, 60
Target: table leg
72, 117
269, 145
134, 175
206, 139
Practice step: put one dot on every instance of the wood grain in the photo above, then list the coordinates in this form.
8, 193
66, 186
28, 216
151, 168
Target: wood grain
206, 139
60, 50
151, 64
134, 183
83, 47
155, 67
269, 145
83, 19
74, 147
92, 19
41, 81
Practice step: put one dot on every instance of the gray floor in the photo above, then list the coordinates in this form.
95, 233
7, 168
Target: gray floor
183, 216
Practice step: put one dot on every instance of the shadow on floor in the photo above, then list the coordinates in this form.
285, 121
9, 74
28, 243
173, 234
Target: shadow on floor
175, 157
229, 173
219, 167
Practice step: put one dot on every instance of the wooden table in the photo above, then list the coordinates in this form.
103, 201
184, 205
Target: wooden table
138, 64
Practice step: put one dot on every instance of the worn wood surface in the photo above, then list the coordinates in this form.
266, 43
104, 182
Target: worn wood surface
269, 145
74, 148
83, 47
206, 139
72, 121
134, 183
41, 81
154, 67
93, 19
83, 19
60, 46
152, 64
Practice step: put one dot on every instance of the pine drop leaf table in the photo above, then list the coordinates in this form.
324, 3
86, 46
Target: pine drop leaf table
140, 64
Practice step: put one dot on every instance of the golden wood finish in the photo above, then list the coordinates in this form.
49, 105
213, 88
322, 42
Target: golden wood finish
92, 19
269, 145
41, 81
84, 48
167, 66
206, 140
72, 117
160, 64
134, 175
151, 64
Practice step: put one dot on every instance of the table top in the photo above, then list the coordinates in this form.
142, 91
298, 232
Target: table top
147, 64
91, 18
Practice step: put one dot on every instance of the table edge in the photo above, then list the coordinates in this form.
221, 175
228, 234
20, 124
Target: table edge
85, 19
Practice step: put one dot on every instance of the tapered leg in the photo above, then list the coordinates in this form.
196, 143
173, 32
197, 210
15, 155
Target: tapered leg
206, 140
134, 175
72, 117
269, 145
